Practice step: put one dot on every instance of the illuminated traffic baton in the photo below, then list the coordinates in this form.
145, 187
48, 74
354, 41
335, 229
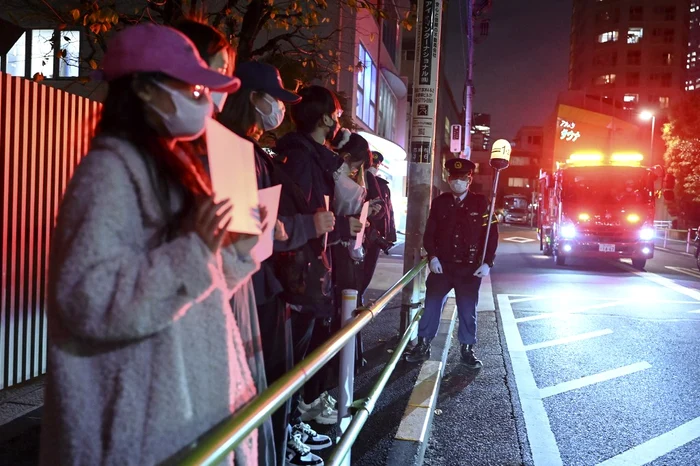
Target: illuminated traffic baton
500, 160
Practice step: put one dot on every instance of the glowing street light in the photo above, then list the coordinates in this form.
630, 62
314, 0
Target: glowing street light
647, 115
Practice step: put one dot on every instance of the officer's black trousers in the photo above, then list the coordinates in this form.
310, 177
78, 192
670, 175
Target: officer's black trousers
460, 278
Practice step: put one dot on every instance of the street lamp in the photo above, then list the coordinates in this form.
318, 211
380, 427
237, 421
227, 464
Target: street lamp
646, 115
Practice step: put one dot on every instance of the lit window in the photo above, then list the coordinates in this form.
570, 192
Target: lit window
631, 98
69, 64
42, 53
664, 102
604, 80
610, 36
37, 48
17, 57
520, 161
366, 89
634, 35
517, 182
386, 116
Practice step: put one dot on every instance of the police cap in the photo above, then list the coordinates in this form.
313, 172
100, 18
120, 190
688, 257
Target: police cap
459, 166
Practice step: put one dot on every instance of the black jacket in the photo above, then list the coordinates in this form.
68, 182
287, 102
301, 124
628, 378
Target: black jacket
386, 194
298, 223
311, 165
457, 234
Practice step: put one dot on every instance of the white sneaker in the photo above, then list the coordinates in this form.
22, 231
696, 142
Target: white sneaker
329, 414
310, 411
328, 400
299, 454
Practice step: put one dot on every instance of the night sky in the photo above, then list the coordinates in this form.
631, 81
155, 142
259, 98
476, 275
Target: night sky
522, 64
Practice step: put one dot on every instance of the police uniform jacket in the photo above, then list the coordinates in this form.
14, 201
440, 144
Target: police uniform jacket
456, 231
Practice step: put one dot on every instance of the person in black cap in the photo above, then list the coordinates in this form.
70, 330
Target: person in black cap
454, 239
259, 106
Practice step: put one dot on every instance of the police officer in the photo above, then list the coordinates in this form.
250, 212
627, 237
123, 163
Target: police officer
454, 239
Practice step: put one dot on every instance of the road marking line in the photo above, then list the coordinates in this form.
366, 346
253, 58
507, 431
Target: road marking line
663, 281
657, 447
551, 315
694, 312
543, 445
575, 298
529, 298
571, 339
593, 379
519, 239
691, 272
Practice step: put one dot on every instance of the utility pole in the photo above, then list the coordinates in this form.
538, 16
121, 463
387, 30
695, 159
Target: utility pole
422, 155
469, 91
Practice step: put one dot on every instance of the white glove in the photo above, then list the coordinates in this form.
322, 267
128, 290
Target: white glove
435, 265
483, 271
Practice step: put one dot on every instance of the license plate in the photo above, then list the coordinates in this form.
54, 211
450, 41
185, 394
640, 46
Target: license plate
606, 247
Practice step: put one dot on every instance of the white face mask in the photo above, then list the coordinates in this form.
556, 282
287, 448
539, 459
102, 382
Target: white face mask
190, 115
274, 119
459, 186
373, 171
219, 99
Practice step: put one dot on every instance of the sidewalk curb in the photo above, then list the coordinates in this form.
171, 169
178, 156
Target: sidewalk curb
413, 434
673, 251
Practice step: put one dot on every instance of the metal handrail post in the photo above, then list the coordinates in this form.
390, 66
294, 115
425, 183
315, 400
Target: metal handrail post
346, 384
687, 241
341, 454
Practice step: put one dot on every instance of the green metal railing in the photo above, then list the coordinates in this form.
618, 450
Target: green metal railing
222, 439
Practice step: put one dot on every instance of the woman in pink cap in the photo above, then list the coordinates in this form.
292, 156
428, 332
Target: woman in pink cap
145, 355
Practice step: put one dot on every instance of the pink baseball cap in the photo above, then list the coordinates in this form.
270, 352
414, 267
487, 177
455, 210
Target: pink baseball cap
152, 48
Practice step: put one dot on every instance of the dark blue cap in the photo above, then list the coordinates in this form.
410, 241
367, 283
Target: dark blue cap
459, 166
266, 78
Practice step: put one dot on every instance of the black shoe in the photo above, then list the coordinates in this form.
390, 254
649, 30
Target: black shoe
420, 352
299, 454
469, 358
311, 438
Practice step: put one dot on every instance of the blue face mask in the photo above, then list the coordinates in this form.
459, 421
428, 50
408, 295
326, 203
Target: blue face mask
276, 116
459, 186
218, 99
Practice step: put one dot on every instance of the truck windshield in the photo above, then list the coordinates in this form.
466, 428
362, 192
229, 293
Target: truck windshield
608, 185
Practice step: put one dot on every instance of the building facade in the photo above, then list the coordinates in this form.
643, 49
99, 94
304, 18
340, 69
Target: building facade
630, 51
692, 63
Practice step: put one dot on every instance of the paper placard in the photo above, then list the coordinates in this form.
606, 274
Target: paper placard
363, 220
270, 199
233, 176
328, 207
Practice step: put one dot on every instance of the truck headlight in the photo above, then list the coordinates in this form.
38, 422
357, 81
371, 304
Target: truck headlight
568, 232
646, 234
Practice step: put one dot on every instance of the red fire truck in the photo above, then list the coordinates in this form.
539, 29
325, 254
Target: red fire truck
600, 207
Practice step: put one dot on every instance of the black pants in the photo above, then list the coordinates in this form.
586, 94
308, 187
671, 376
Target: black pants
370, 265
278, 355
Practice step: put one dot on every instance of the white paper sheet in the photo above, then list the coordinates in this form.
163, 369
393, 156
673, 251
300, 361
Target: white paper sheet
328, 206
363, 220
270, 199
232, 168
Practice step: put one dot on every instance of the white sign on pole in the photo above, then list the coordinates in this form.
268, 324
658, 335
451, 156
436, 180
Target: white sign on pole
456, 138
425, 81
